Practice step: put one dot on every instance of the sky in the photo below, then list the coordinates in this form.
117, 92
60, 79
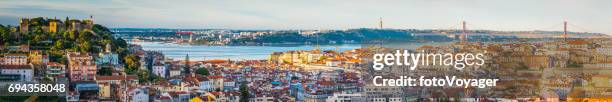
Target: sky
504, 15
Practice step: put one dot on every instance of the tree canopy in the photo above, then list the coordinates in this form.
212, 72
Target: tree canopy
203, 71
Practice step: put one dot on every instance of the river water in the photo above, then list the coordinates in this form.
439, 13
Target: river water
205, 52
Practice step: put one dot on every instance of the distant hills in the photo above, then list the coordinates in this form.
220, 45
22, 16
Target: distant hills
362, 35
339, 36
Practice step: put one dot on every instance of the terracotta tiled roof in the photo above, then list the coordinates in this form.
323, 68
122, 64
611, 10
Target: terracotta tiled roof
577, 42
15, 54
54, 64
352, 60
15, 67
601, 75
326, 83
215, 61
164, 97
77, 54
425, 47
562, 49
215, 77
129, 77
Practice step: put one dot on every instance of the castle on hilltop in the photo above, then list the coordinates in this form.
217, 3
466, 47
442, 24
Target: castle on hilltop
56, 25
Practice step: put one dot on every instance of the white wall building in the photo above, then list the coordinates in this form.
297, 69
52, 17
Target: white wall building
606, 50
343, 97
24, 72
15, 59
332, 63
229, 85
159, 70
139, 95
174, 72
262, 99
206, 85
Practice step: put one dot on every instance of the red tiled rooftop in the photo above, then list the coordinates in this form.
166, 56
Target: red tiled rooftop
577, 42
215, 77
15, 66
215, 61
129, 77
54, 64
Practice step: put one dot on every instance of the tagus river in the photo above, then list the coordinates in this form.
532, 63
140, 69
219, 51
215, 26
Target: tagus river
204, 52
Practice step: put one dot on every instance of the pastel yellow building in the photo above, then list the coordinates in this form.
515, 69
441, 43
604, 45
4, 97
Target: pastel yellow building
53, 26
602, 81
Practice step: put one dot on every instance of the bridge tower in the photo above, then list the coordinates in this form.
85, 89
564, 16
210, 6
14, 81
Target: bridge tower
565, 30
463, 34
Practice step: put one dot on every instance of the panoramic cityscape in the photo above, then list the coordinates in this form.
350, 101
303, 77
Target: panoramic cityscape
53, 53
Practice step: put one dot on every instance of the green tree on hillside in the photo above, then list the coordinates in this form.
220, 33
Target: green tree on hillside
203, 71
143, 76
105, 71
244, 92
132, 63
4, 34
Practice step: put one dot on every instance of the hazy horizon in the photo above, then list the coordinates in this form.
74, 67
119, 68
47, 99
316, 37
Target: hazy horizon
517, 15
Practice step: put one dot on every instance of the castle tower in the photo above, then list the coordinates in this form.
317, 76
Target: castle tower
54, 26
88, 23
76, 25
24, 25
